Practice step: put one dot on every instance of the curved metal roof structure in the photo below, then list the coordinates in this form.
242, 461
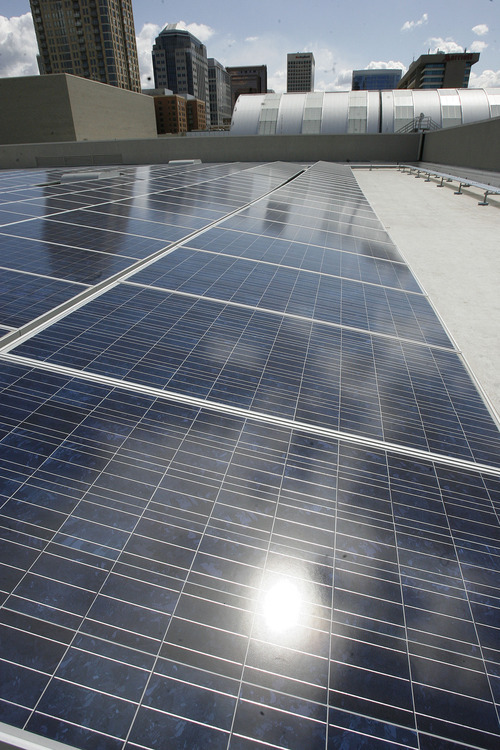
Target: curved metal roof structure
340, 112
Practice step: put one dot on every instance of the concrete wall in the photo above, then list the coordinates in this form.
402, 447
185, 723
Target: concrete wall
64, 120
65, 108
476, 146
35, 109
101, 111
355, 148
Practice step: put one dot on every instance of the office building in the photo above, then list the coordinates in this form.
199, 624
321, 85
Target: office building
89, 38
249, 483
196, 114
375, 79
440, 71
171, 116
247, 80
180, 64
300, 72
219, 85
178, 113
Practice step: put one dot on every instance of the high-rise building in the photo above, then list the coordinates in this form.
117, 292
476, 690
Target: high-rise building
440, 71
180, 64
89, 38
300, 72
247, 79
219, 84
375, 79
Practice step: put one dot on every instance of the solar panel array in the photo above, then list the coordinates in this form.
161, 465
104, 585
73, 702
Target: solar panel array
249, 491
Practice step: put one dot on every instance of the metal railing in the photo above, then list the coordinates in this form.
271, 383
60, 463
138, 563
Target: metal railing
443, 176
419, 124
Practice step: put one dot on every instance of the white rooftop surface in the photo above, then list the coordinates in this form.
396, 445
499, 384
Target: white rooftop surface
453, 247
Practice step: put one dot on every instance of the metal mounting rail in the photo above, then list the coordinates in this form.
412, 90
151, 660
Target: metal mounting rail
462, 181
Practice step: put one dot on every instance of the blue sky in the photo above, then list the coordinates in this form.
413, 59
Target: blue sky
342, 35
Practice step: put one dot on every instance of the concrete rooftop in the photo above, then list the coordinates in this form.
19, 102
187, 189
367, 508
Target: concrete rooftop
452, 245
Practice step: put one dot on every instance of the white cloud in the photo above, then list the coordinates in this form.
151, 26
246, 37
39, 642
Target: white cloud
343, 81
410, 25
488, 79
324, 62
18, 47
340, 81
477, 46
481, 29
277, 81
145, 40
325, 73
391, 64
438, 44
200, 30
252, 39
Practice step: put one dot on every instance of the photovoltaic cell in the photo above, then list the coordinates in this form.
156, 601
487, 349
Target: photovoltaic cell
302, 255
89, 238
341, 379
323, 297
60, 261
181, 575
65, 243
24, 297
160, 535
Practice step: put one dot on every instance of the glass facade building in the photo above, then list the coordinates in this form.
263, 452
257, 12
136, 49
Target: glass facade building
180, 64
249, 490
375, 79
219, 84
90, 38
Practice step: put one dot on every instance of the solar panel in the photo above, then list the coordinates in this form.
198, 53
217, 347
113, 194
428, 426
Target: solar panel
249, 494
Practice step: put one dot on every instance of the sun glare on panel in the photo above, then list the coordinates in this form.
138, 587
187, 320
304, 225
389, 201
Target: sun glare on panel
282, 604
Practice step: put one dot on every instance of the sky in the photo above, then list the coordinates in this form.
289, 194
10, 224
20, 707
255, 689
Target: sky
342, 35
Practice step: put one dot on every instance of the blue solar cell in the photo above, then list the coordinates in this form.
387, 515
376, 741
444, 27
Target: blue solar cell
334, 377
59, 261
88, 238
303, 256
25, 297
126, 224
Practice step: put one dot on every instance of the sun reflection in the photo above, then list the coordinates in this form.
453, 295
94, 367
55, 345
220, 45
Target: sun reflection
282, 604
